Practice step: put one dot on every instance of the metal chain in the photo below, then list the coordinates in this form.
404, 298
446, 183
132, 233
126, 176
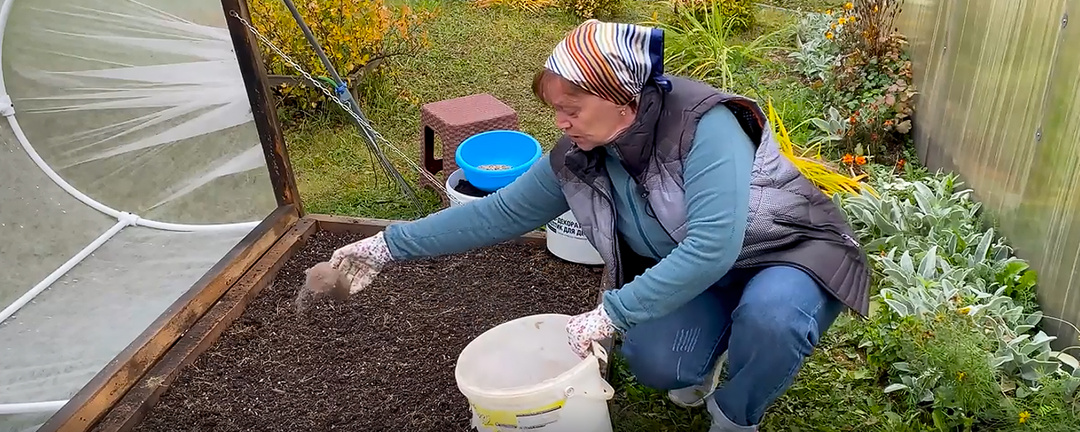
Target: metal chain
427, 175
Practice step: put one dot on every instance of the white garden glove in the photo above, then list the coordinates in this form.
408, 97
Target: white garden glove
361, 261
583, 329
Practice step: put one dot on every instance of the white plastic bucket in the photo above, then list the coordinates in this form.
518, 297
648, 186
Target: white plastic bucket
457, 198
566, 240
563, 234
522, 375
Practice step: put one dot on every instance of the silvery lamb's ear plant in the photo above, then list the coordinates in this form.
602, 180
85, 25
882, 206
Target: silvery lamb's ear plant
943, 211
833, 128
1073, 385
1027, 358
919, 384
816, 54
881, 222
939, 260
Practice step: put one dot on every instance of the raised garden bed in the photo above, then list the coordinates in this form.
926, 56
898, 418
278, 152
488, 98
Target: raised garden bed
384, 359
233, 354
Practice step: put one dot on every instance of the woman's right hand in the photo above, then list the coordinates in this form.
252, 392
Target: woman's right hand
361, 261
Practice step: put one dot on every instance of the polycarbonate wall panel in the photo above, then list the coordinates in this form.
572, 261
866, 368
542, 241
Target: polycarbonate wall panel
1050, 210
999, 103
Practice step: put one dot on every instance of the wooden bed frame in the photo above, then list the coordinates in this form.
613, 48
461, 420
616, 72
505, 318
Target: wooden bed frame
122, 393
128, 387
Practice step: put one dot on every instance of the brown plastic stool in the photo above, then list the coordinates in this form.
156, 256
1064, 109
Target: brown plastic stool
454, 120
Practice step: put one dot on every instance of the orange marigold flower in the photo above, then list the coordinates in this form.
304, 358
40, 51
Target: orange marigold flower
861, 160
848, 158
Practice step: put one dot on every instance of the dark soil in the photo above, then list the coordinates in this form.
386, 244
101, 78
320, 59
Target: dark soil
383, 360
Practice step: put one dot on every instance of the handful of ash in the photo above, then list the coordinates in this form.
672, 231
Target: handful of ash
323, 282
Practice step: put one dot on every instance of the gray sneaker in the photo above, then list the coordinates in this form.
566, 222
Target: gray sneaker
694, 396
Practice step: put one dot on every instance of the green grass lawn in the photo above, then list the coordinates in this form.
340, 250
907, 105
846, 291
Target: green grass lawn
497, 51
492, 50
473, 50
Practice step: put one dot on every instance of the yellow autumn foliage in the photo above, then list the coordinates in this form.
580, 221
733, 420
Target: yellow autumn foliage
826, 177
354, 34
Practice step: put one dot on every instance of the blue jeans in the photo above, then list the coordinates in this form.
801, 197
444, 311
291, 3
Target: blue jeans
767, 320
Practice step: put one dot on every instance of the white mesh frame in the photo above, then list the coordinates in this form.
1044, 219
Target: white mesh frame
130, 180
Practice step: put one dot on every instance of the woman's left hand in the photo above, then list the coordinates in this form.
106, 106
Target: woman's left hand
585, 328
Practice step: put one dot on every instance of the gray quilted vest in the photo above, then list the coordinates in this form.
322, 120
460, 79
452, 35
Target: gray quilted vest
790, 221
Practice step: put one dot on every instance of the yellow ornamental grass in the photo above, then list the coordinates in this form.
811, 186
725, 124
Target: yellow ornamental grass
592, 8
742, 13
584, 9
827, 178
581, 8
531, 6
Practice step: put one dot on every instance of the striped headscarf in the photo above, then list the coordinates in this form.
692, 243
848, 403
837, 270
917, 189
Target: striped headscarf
610, 60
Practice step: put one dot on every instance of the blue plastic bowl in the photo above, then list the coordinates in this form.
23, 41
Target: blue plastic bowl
516, 149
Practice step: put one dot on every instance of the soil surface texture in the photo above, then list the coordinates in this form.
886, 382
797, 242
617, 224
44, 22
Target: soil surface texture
383, 360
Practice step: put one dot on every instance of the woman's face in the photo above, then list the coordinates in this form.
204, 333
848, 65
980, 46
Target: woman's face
588, 120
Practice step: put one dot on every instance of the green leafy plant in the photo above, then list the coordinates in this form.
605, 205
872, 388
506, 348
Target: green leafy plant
953, 306
943, 367
703, 44
741, 13
859, 56
1054, 406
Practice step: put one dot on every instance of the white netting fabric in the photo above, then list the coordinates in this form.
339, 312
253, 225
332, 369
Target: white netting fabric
119, 106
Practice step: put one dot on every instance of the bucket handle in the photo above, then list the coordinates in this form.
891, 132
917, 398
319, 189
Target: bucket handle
599, 352
605, 390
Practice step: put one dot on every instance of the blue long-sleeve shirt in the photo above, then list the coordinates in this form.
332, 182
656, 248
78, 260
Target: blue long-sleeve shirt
717, 183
